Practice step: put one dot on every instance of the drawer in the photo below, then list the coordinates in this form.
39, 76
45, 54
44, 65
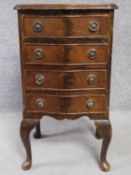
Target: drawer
68, 80
62, 26
66, 104
66, 54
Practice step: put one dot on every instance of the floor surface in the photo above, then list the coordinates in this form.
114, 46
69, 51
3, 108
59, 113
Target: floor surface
69, 147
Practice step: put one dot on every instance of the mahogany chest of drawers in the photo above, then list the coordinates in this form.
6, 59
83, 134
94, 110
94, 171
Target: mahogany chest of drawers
66, 65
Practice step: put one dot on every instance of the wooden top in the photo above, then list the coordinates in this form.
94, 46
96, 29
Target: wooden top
66, 7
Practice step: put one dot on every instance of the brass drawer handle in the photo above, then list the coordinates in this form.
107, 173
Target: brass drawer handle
93, 26
91, 79
39, 53
91, 104
92, 54
39, 79
37, 27
40, 103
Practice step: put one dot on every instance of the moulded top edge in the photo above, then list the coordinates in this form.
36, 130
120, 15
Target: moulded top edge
66, 7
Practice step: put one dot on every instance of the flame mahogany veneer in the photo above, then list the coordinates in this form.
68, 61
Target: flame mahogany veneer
66, 65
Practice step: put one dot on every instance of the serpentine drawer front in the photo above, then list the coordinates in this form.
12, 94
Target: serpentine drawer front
66, 54
65, 64
50, 26
66, 104
66, 80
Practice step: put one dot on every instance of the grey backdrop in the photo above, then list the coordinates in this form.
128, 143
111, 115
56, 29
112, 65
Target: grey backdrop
10, 83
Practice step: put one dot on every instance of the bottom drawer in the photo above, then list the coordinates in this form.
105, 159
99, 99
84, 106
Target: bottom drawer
66, 104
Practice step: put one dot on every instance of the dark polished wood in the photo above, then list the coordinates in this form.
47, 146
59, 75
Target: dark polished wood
26, 126
104, 131
70, 54
37, 133
66, 80
66, 65
66, 7
65, 26
66, 104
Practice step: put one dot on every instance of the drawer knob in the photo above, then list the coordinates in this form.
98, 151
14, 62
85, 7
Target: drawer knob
37, 27
91, 79
40, 103
91, 104
39, 79
92, 54
93, 26
39, 53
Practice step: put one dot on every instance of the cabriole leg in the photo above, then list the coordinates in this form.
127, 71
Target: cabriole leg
98, 133
105, 130
37, 133
26, 126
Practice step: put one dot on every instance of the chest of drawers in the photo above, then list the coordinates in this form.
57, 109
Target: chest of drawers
66, 62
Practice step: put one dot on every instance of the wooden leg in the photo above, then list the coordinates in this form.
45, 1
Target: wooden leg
98, 133
105, 130
26, 126
37, 133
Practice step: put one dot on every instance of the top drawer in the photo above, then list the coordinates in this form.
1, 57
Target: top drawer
66, 26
